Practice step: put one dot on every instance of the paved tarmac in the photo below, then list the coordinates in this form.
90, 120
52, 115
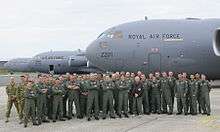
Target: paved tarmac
145, 123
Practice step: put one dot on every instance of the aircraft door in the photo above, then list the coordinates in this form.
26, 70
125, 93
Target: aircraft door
51, 68
154, 62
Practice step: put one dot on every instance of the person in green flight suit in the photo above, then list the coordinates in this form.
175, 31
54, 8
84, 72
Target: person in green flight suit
108, 86
20, 97
205, 88
181, 89
123, 87
193, 92
166, 94
73, 95
41, 100
93, 97
30, 105
156, 99
58, 94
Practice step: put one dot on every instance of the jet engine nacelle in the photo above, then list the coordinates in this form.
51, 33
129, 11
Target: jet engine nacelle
216, 42
77, 61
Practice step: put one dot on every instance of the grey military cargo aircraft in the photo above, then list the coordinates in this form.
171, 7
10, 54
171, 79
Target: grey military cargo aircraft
183, 45
54, 61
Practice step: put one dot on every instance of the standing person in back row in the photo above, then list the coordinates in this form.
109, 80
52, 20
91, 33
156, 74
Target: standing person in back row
205, 88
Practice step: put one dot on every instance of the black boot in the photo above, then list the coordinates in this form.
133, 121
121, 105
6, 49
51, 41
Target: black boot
126, 115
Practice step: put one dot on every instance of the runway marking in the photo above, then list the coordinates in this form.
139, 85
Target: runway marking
146, 122
211, 121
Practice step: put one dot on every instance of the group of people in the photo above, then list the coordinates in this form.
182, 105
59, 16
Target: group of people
114, 95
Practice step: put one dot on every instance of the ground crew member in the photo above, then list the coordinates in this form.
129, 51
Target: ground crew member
11, 90
193, 92
58, 94
205, 88
155, 90
108, 86
137, 92
73, 95
93, 98
41, 100
30, 107
20, 96
123, 87
181, 89
166, 94
172, 82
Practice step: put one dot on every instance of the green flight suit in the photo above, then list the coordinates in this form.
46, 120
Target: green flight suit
108, 87
123, 88
181, 90
166, 95
84, 85
205, 88
172, 83
100, 95
155, 98
58, 93
199, 97
30, 105
11, 90
115, 93
42, 90
146, 96
73, 95
193, 91
65, 97
21, 100
93, 99
130, 97
49, 100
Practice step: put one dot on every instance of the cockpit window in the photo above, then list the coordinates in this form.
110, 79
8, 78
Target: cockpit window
113, 34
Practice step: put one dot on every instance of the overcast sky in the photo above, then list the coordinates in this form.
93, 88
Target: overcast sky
28, 27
